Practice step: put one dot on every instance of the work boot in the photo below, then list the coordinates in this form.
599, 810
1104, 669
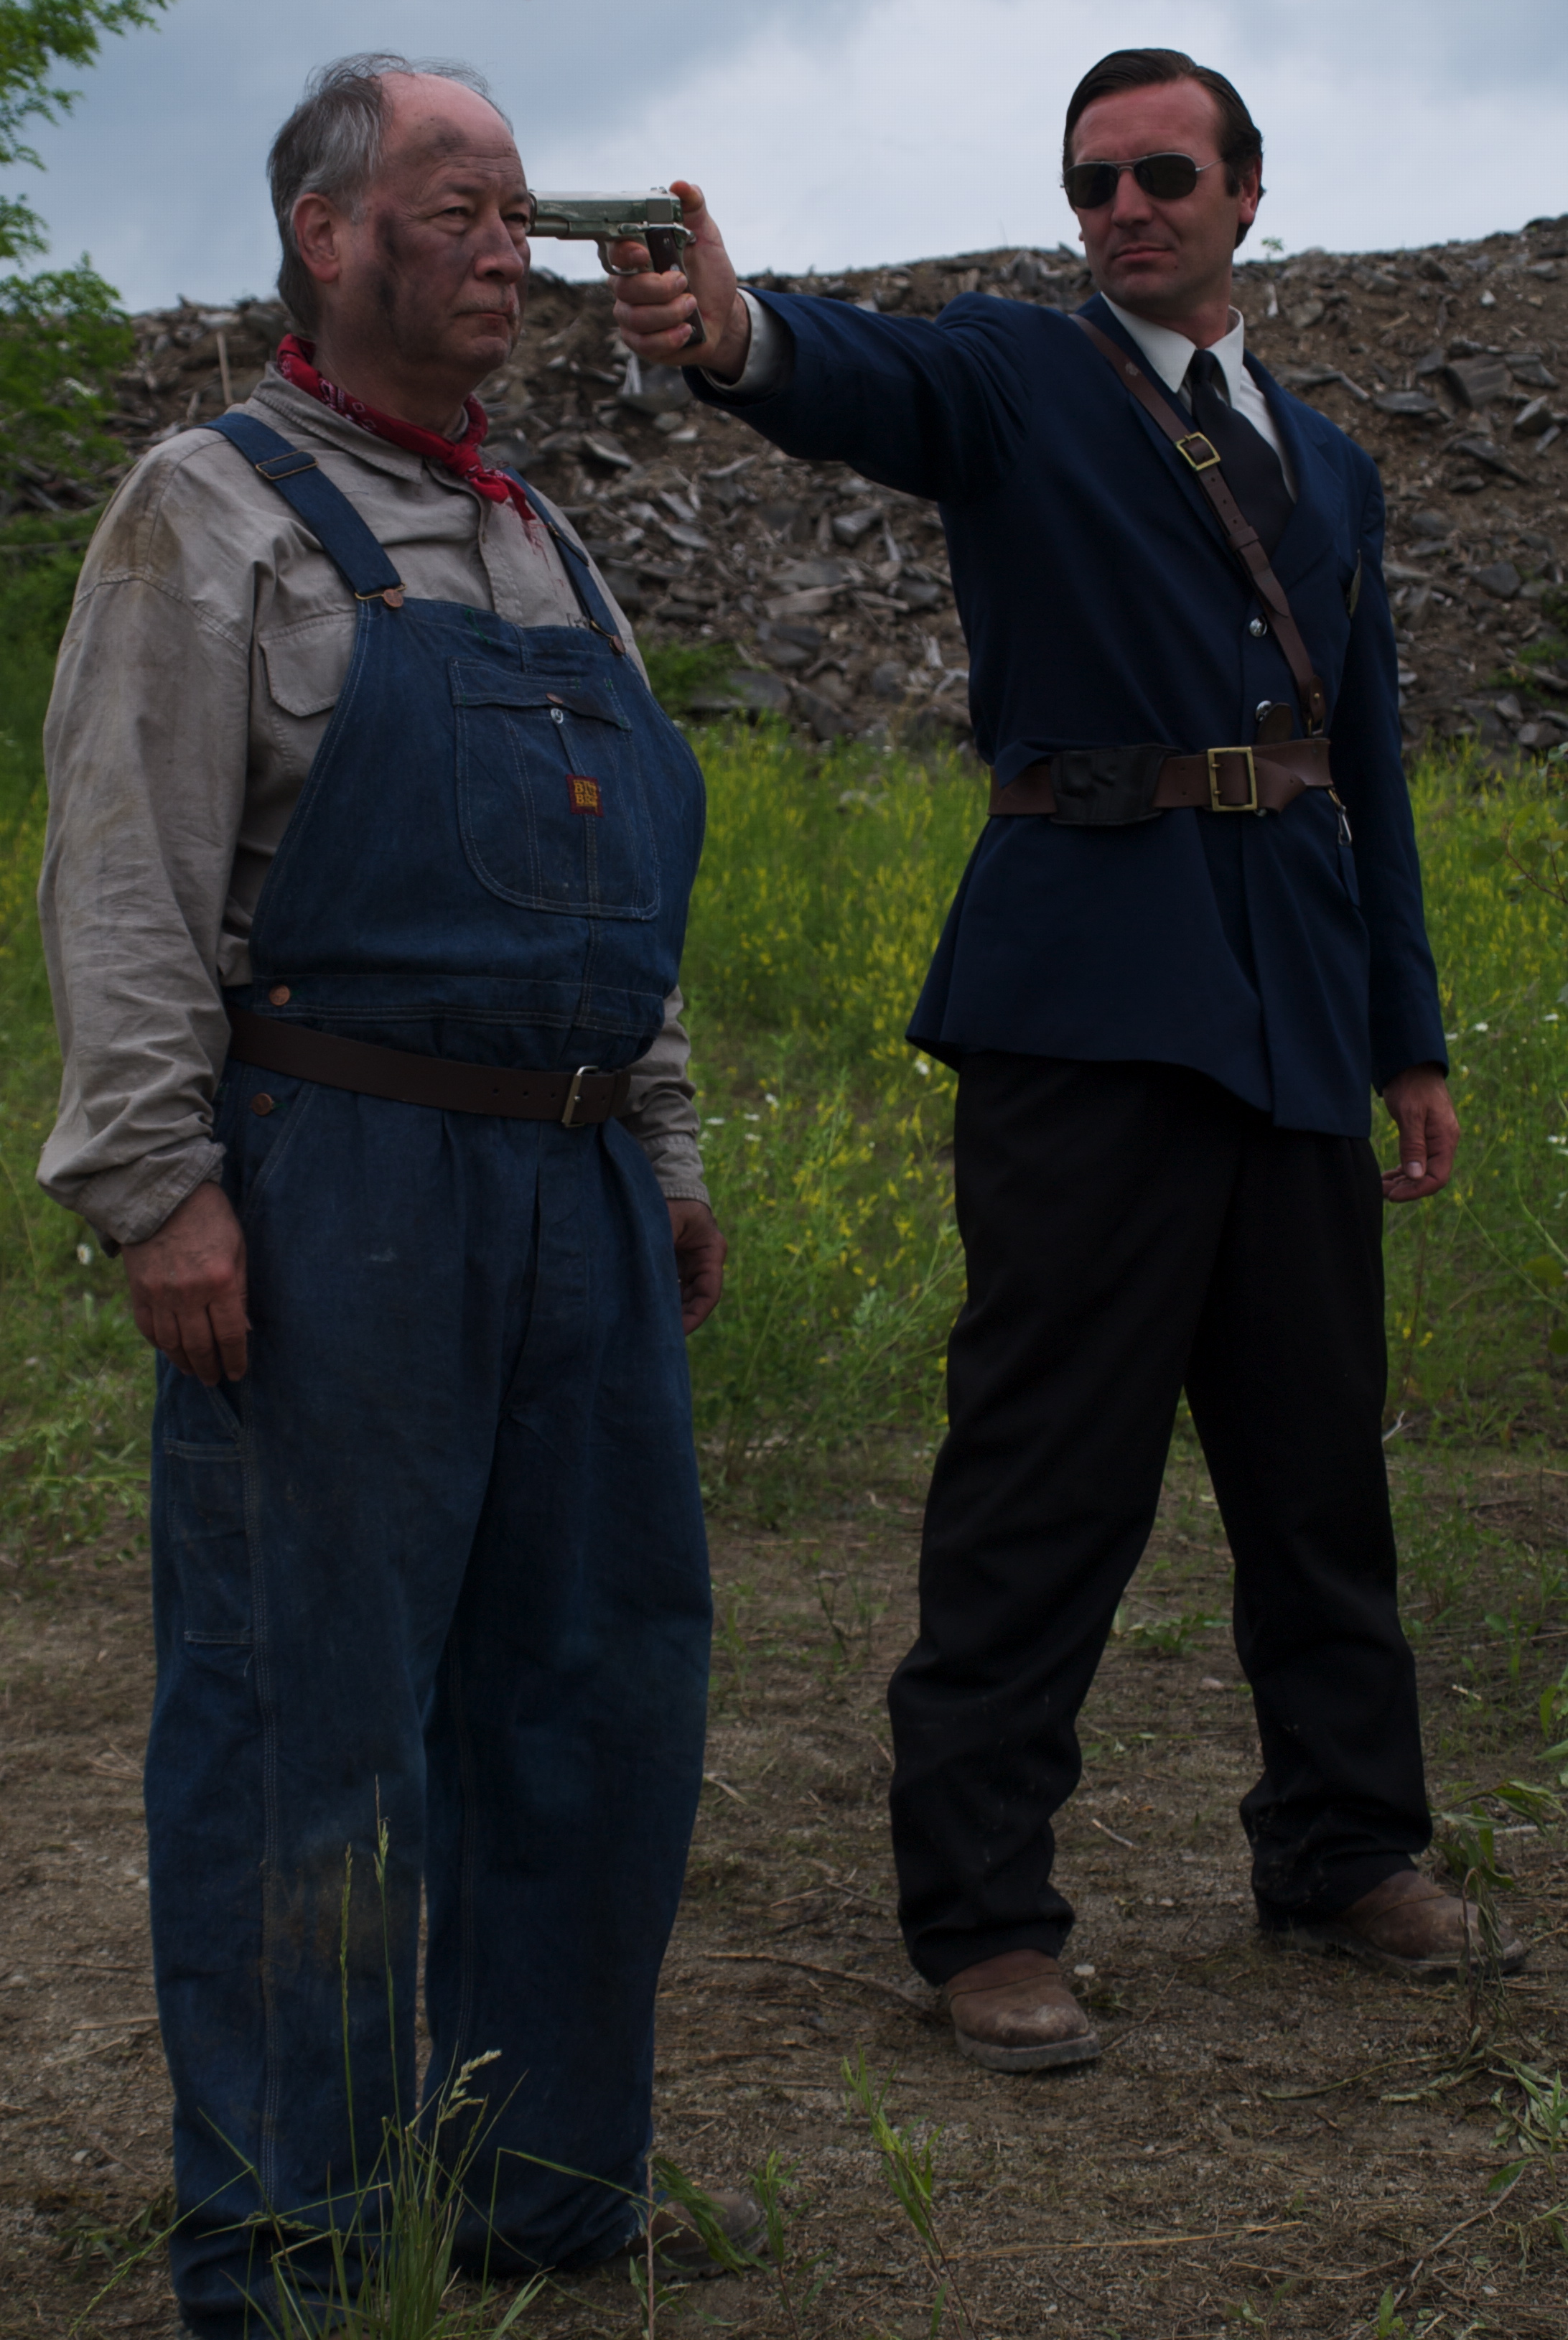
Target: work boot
1016, 2013
679, 2249
1407, 1925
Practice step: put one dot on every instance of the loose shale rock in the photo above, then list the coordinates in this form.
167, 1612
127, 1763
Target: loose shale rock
832, 594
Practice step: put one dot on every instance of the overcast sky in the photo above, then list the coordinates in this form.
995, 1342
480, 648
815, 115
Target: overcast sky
826, 132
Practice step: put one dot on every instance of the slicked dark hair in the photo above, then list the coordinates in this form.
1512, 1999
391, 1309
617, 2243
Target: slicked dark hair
1240, 140
331, 145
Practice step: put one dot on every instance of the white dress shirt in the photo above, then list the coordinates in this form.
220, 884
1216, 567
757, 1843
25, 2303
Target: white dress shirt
1170, 354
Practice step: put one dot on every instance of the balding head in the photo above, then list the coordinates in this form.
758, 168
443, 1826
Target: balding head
334, 141
406, 245
431, 114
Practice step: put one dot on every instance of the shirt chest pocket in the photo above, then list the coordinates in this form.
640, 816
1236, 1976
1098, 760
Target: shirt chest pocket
551, 800
305, 663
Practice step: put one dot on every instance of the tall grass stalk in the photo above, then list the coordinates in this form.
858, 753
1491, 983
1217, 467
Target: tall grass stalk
800, 2276
391, 2271
909, 2172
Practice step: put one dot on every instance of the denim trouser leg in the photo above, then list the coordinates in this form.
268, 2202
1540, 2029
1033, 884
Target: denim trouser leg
436, 1565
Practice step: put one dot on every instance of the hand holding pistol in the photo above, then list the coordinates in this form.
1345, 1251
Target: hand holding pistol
653, 220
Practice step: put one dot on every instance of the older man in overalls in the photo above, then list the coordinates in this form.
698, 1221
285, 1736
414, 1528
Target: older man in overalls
364, 895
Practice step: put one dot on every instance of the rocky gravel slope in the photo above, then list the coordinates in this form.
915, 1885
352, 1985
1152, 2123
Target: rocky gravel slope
1450, 365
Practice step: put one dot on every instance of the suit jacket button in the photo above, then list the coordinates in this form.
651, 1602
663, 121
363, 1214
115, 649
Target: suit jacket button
264, 1104
280, 995
1258, 627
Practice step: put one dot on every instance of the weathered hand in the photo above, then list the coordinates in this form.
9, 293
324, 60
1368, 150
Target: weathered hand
699, 1250
188, 1288
1428, 1127
654, 313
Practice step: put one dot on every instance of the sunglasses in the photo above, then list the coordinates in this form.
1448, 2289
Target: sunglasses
1166, 177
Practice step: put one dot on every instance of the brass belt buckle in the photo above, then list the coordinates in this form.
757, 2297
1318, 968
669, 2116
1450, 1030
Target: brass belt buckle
572, 1093
1207, 460
1216, 803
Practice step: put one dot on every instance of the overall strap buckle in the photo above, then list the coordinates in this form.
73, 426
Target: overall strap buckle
286, 467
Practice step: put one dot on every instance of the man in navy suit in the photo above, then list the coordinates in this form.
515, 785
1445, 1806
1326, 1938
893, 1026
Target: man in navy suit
1169, 982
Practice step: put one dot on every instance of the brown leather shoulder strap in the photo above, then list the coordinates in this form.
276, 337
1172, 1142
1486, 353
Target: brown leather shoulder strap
1241, 536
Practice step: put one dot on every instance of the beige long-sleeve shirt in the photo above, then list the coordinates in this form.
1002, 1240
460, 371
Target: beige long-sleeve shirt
208, 643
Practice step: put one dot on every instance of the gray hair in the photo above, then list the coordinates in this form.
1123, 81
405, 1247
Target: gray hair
331, 145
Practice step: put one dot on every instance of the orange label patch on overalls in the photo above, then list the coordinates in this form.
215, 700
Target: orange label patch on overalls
584, 794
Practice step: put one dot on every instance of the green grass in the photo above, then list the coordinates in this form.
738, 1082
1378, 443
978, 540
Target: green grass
1478, 1316
825, 882
75, 1383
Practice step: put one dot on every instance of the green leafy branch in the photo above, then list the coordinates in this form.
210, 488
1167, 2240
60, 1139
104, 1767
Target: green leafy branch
36, 37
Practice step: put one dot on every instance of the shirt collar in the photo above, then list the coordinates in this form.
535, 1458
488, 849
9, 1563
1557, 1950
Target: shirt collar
1170, 354
301, 416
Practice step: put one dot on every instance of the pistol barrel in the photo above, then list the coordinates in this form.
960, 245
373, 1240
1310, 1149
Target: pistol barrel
653, 219
605, 219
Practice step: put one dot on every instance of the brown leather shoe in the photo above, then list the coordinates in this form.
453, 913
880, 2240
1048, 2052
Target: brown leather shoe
1016, 2013
679, 2249
1407, 1925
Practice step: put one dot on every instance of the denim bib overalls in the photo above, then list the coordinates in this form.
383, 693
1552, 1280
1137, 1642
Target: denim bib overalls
437, 1564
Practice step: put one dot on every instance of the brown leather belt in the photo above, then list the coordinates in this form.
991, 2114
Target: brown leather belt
573, 1099
1218, 779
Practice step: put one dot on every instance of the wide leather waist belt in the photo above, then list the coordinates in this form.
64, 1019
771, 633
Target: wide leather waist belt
1110, 786
571, 1098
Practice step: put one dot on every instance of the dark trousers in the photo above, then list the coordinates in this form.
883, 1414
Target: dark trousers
1131, 1229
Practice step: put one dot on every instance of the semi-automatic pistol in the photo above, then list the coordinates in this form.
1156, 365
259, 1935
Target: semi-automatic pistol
653, 219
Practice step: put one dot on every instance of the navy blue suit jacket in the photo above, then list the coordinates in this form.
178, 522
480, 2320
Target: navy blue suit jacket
1102, 607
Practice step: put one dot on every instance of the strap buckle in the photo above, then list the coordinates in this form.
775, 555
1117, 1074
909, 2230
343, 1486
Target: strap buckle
1209, 460
1216, 803
572, 1093
286, 467
391, 594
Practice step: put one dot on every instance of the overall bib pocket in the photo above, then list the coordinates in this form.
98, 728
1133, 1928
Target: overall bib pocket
552, 801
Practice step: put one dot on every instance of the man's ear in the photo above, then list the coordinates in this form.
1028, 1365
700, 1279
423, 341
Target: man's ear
318, 231
1251, 195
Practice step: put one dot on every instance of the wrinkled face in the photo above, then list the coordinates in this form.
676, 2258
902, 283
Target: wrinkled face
1161, 259
433, 272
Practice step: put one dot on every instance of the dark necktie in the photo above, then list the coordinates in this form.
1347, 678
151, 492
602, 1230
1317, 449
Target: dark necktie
1256, 474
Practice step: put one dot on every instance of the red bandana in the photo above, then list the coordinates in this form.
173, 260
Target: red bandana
296, 363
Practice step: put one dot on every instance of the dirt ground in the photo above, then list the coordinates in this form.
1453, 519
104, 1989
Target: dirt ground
1254, 2149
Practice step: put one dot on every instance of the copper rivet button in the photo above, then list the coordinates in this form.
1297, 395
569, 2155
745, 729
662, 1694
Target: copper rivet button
263, 1104
280, 995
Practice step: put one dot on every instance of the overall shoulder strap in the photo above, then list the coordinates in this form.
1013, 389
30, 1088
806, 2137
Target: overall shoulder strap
325, 510
591, 600
1200, 454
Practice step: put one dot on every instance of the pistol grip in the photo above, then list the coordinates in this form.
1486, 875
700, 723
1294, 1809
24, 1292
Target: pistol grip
665, 254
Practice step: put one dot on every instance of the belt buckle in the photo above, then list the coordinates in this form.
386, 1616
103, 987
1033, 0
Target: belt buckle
1209, 460
572, 1093
1216, 803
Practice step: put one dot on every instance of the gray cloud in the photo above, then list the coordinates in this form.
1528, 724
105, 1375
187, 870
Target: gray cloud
833, 131
159, 172
1438, 47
